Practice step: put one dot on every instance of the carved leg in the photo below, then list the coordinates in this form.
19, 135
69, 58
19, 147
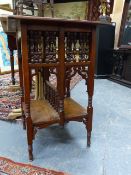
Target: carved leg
89, 123
30, 150
30, 135
89, 127
21, 81
24, 121
30, 77
23, 115
12, 66
88, 138
34, 133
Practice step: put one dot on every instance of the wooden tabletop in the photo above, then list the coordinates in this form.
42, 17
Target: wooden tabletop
50, 20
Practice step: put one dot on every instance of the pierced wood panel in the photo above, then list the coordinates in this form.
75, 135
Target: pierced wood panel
76, 47
81, 70
51, 47
35, 47
42, 47
52, 96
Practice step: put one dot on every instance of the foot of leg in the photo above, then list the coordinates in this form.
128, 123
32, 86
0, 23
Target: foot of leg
30, 150
89, 138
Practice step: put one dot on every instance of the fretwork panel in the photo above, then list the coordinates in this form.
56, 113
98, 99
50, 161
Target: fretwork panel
35, 46
76, 47
42, 47
51, 47
81, 70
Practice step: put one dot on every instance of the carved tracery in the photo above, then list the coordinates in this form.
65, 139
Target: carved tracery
42, 47
76, 47
81, 70
51, 44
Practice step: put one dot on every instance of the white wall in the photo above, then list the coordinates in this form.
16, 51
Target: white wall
117, 17
5, 1
4, 11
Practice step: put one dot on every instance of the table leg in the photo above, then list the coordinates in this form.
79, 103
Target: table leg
12, 67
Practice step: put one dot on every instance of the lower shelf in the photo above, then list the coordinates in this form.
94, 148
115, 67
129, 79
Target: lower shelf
43, 112
73, 109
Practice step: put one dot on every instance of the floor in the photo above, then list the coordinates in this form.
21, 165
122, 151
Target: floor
65, 149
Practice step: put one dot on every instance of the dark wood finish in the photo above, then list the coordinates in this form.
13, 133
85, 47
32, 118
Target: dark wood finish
71, 49
12, 47
92, 9
122, 67
104, 64
122, 56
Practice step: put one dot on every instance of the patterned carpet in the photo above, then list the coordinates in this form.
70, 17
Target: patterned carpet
10, 97
10, 167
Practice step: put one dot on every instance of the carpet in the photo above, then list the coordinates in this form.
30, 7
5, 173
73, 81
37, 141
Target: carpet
10, 97
10, 167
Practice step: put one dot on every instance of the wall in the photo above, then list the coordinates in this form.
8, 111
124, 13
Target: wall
117, 17
71, 10
77, 10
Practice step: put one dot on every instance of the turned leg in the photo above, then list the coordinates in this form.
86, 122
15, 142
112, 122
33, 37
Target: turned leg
21, 81
30, 150
30, 135
90, 83
23, 120
89, 125
30, 77
12, 66
22, 104
24, 123
88, 122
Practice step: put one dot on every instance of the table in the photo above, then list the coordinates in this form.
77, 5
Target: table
64, 48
